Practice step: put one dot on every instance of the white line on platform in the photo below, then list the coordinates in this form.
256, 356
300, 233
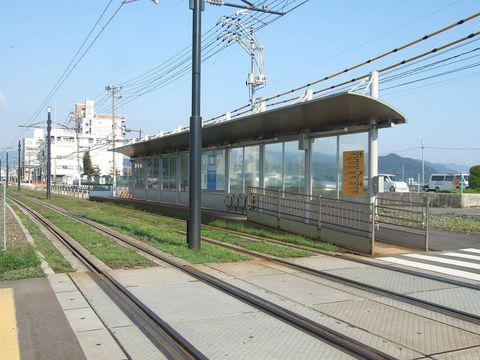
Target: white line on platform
471, 250
440, 269
445, 261
465, 256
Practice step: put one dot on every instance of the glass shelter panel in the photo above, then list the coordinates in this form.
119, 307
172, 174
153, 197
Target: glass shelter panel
354, 142
213, 170
273, 164
251, 166
184, 172
294, 176
324, 166
235, 171
173, 173
165, 173
139, 174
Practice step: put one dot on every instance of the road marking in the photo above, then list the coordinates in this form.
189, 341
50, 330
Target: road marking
9, 348
471, 250
440, 269
445, 261
465, 256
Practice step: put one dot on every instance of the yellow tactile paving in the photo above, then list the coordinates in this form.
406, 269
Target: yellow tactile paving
9, 349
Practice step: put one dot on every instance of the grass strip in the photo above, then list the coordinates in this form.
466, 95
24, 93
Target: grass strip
161, 237
104, 248
52, 256
168, 223
258, 246
19, 262
288, 238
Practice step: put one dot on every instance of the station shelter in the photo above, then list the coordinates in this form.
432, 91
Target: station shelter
299, 148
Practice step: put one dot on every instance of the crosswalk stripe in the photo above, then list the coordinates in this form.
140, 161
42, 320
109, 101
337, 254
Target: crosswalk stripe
471, 250
445, 261
465, 256
440, 269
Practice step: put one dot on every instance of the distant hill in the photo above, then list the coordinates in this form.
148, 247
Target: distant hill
412, 168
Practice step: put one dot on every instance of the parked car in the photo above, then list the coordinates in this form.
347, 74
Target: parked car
392, 183
439, 182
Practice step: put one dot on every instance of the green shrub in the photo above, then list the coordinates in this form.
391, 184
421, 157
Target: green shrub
474, 178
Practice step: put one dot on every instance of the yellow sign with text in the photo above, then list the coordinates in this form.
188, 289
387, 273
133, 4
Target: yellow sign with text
353, 172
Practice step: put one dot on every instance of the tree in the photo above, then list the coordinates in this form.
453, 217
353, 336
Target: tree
88, 168
474, 178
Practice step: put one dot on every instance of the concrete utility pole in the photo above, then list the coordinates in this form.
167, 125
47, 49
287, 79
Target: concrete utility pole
114, 91
373, 142
49, 152
4, 211
18, 168
6, 175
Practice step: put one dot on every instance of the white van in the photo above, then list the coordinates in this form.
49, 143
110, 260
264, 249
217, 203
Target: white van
392, 183
439, 182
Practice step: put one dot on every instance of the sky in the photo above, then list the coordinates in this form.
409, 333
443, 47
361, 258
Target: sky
39, 38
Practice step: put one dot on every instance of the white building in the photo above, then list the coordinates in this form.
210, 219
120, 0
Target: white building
30, 154
93, 132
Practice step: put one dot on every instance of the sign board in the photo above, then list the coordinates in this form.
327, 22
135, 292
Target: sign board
353, 172
212, 171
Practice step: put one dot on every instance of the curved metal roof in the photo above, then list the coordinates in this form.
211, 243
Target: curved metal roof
334, 112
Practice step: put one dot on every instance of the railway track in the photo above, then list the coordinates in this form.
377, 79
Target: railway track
355, 259
439, 308
165, 338
335, 338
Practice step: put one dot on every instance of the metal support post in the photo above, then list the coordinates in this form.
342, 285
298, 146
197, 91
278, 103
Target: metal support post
195, 215
18, 167
423, 165
373, 142
5, 215
49, 152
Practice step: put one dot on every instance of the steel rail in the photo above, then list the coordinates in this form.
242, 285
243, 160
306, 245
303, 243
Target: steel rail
445, 310
168, 340
335, 338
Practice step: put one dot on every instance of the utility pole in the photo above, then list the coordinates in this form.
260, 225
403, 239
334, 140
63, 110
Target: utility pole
114, 91
6, 175
423, 165
18, 167
49, 151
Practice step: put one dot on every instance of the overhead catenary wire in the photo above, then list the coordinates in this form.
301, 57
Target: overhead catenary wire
154, 79
70, 68
369, 61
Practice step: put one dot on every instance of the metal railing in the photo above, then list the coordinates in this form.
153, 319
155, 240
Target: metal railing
413, 215
312, 209
82, 191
